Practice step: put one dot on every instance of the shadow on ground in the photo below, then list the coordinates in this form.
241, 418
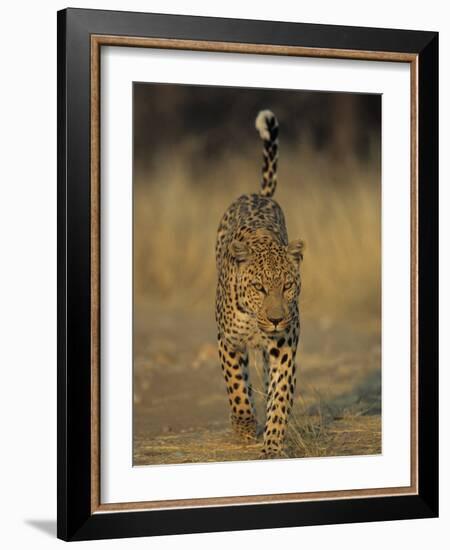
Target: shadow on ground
47, 526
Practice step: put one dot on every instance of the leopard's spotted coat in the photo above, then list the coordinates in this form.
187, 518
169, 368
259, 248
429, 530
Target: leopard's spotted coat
257, 300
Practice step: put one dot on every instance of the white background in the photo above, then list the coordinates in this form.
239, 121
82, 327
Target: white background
28, 272
119, 481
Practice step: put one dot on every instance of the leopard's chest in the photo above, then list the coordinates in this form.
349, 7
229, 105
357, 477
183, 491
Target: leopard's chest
257, 339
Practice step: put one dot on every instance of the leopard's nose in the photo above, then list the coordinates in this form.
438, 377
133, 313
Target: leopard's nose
275, 320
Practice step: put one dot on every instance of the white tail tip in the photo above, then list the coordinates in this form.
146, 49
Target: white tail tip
261, 123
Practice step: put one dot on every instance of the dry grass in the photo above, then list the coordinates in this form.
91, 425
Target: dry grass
181, 411
353, 436
334, 207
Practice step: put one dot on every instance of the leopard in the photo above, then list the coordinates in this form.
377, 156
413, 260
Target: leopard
257, 303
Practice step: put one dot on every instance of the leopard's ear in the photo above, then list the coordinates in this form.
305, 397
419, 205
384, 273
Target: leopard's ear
295, 249
239, 251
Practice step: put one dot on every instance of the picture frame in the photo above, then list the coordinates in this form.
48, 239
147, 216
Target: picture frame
81, 36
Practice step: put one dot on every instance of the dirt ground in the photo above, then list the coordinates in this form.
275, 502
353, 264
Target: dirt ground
180, 404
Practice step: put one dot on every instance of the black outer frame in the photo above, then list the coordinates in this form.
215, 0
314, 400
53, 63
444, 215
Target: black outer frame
75, 521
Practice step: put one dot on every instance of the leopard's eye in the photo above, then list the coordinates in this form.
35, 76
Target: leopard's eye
288, 285
258, 287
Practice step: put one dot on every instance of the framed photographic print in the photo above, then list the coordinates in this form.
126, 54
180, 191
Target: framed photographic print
247, 256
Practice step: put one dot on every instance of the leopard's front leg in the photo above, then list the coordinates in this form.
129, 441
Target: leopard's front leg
281, 355
240, 394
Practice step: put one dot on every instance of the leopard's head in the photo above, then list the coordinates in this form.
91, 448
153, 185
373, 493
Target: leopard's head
268, 279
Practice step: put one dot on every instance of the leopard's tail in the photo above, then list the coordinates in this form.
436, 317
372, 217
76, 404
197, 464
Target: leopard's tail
267, 125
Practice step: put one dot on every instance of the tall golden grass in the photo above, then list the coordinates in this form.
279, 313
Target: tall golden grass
333, 204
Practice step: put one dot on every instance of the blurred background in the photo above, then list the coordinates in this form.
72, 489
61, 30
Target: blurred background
196, 150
